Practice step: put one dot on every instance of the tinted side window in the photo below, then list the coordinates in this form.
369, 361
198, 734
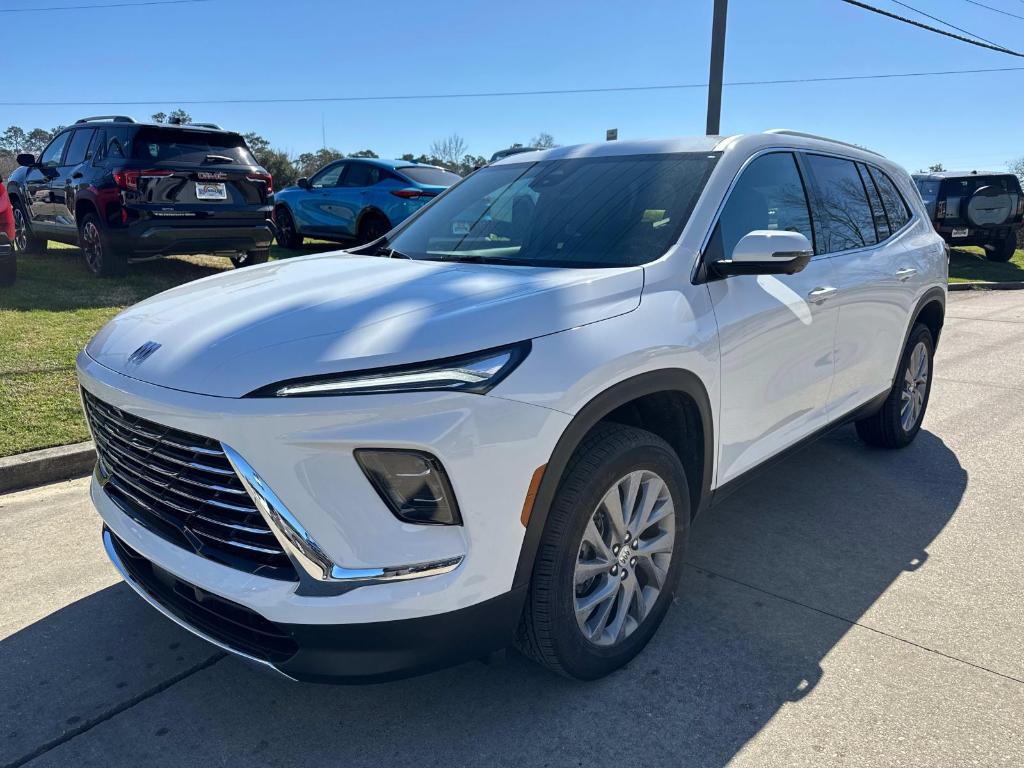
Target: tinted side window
361, 175
96, 151
769, 195
895, 206
842, 205
78, 147
328, 177
51, 155
877, 209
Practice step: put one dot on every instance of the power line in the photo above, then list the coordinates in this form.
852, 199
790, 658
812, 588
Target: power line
936, 30
946, 23
997, 10
101, 5
504, 94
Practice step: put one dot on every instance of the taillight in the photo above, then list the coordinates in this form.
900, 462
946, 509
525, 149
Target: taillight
407, 194
940, 209
266, 178
127, 178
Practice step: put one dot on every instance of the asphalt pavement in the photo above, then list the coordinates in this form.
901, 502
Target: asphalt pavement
851, 607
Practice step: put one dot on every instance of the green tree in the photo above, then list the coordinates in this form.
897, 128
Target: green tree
279, 165
309, 163
179, 116
364, 153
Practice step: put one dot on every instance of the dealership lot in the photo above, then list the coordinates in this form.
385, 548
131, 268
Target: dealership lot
850, 607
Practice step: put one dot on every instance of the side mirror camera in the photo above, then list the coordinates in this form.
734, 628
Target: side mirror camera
303, 182
26, 159
766, 252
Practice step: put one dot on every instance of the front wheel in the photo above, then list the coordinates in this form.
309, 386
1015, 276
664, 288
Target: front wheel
610, 556
287, 233
24, 240
1002, 250
899, 419
247, 259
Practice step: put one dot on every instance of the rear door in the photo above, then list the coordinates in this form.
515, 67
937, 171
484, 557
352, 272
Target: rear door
776, 332
68, 174
352, 194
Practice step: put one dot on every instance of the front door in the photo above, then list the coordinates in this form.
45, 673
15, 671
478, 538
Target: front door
776, 332
37, 182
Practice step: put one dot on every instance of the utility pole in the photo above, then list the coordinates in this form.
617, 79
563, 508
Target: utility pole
717, 64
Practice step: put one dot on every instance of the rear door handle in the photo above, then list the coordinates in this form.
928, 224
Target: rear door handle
905, 274
821, 295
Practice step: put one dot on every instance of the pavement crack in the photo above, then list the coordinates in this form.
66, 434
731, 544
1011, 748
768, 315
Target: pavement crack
125, 705
854, 623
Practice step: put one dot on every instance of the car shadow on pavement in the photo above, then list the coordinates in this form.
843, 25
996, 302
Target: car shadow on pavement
775, 576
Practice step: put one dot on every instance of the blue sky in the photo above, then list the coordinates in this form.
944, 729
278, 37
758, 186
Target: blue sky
311, 48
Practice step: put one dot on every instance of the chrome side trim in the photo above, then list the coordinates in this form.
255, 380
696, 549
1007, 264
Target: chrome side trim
304, 550
108, 545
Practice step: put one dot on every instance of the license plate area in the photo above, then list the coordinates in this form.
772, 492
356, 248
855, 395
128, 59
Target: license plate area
211, 190
961, 232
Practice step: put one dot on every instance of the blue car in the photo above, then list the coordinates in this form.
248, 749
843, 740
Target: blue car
357, 199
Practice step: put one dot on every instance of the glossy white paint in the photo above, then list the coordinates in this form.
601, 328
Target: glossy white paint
776, 365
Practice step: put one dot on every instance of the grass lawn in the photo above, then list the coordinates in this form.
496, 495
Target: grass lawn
969, 263
49, 314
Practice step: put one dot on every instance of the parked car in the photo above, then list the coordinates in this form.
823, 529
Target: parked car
473, 432
128, 191
975, 208
357, 199
8, 259
501, 154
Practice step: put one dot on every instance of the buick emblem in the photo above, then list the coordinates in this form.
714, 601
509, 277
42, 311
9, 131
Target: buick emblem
143, 352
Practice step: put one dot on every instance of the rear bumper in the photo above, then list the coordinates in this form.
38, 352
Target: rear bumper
978, 235
349, 653
151, 238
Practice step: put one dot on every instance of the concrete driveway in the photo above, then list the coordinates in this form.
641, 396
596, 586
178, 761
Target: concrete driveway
854, 607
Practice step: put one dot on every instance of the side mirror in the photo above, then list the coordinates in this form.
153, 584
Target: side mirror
303, 182
766, 252
26, 159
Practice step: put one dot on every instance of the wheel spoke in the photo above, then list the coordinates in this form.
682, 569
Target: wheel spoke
645, 563
612, 504
593, 537
588, 569
605, 592
649, 494
660, 544
627, 589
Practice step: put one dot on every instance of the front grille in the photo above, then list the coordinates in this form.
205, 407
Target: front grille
182, 487
227, 622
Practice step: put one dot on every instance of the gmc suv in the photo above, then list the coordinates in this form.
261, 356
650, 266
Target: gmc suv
495, 423
130, 191
974, 208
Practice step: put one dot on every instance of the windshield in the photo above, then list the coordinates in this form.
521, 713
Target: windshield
192, 147
582, 212
437, 177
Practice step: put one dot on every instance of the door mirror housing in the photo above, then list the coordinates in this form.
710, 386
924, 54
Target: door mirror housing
766, 252
26, 159
303, 182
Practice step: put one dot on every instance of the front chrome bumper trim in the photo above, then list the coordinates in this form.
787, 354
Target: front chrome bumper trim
108, 545
307, 554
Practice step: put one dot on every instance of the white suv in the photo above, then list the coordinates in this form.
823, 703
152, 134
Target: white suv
497, 422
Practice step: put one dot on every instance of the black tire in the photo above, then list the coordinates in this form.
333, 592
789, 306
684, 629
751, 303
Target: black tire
102, 259
24, 240
247, 259
8, 266
371, 227
1002, 250
288, 235
549, 632
886, 428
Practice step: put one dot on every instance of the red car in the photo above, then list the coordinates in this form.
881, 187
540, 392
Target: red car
8, 266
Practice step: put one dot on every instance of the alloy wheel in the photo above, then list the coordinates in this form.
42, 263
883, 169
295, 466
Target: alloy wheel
915, 385
20, 231
624, 558
92, 246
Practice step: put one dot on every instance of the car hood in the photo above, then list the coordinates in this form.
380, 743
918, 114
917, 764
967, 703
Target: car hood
235, 332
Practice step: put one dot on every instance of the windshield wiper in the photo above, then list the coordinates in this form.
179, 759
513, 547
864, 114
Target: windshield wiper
391, 253
219, 159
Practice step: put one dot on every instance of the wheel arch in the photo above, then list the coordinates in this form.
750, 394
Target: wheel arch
930, 310
372, 210
83, 207
637, 401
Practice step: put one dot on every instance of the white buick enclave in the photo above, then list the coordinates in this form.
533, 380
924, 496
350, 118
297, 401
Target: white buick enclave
496, 423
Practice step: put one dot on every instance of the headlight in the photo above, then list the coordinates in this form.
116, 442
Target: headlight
476, 373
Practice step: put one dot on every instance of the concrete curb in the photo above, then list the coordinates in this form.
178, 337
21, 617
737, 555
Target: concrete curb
49, 465
978, 285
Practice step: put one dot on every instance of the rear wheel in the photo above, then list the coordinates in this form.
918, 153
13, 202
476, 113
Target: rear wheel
101, 258
247, 259
373, 226
899, 419
24, 240
610, 556
287, 234
1002, 250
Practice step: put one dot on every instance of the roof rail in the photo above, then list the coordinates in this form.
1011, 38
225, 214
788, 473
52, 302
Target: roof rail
207, 125
803, 135
111, 118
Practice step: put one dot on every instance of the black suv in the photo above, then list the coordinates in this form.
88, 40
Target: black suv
131, 191
975, 208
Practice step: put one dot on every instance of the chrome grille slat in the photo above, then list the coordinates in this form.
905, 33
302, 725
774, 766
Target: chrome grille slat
182, 487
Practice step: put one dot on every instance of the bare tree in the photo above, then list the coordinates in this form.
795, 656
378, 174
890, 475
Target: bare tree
449, 151
543, 141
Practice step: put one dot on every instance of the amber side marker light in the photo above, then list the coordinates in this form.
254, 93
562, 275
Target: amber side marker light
531, 494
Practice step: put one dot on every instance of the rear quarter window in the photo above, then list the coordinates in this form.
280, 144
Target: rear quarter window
896, 207
434, 177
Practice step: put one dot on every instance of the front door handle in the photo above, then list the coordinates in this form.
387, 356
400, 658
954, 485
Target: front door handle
821, 295
905, 274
